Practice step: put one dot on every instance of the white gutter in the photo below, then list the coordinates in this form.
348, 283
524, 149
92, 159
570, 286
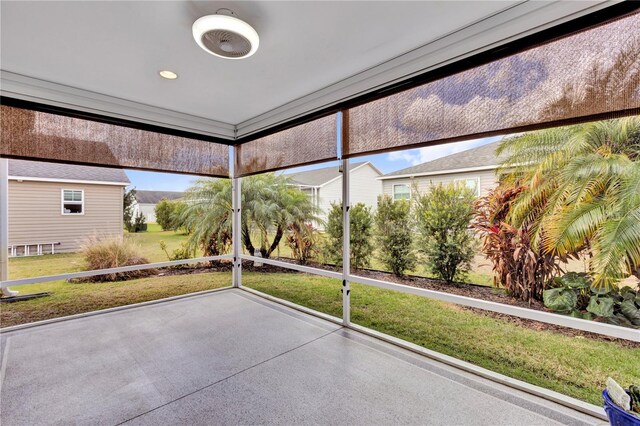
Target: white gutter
440, 172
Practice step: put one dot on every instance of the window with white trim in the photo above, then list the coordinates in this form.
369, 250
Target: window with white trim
401, 191
72, 201
471, 183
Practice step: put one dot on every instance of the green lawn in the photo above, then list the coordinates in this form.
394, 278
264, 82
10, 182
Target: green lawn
574, 366
74, 298
149, 243
571, 365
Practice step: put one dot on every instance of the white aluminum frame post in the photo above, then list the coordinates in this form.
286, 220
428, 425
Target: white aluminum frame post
236, 218
4, 225
346, 245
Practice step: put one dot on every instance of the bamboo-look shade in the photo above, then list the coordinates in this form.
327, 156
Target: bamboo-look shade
593, 74
43, 136
307, 143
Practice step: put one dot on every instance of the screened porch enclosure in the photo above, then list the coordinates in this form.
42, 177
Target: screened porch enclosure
238, 358
237, 355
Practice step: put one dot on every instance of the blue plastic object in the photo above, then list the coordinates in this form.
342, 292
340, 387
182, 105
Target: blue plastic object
618, 416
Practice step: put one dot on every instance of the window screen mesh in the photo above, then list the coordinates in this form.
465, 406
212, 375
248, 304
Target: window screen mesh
595, 73
44, 136
304, 144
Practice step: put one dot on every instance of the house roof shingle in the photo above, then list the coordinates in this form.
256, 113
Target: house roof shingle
319, 177
154, 197
43, 170
482, 156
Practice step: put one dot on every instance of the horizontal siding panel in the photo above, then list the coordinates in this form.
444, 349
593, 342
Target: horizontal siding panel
488, 181
35, 214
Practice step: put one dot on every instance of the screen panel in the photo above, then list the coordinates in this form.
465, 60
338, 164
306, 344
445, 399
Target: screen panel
36, 135
593, 74
307, 143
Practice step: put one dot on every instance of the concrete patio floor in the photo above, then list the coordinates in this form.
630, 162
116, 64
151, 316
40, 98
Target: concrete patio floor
230, 357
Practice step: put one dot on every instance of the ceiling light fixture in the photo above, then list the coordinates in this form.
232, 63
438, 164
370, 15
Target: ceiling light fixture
169, 75
225, 36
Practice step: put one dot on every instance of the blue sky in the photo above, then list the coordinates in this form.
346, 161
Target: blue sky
387, 163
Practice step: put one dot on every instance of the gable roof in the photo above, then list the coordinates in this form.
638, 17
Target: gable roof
154, 197
482, 157
39, 170
319, 177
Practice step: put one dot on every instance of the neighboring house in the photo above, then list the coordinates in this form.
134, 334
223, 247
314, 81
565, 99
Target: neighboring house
476, 168
324, 186
146, 202
55, 207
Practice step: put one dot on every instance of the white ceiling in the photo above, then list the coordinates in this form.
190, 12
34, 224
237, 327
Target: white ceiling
115, 49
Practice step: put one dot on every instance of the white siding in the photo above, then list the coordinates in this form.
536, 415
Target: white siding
328, 194
488, 181
365, 188
149, 212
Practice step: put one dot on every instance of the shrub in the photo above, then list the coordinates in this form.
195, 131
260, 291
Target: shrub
394, 235
302, 239
164, 212
140, 223
128, 201
178, 217
361, 223
443, 217
575, 294
517, 266
181, 253
104, 253
170, 215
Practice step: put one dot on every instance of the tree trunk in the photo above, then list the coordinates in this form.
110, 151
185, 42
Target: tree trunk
276, 241
246, 239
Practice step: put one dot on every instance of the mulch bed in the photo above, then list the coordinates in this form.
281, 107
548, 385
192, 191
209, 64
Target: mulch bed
497, 295
475, 291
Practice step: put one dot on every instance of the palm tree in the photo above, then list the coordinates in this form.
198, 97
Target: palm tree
208, 215
582, 193
270, 205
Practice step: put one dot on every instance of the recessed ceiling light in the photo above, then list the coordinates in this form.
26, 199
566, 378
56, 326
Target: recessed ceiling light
225, 36
169, 75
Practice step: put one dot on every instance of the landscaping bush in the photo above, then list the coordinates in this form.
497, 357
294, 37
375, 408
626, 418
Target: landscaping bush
394, 235
104, 253
181, 253
361, 223
443, 217
128, 200
575, 294
139, 224
164, 212
178, 217
302, 239
169, 214
522, 270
